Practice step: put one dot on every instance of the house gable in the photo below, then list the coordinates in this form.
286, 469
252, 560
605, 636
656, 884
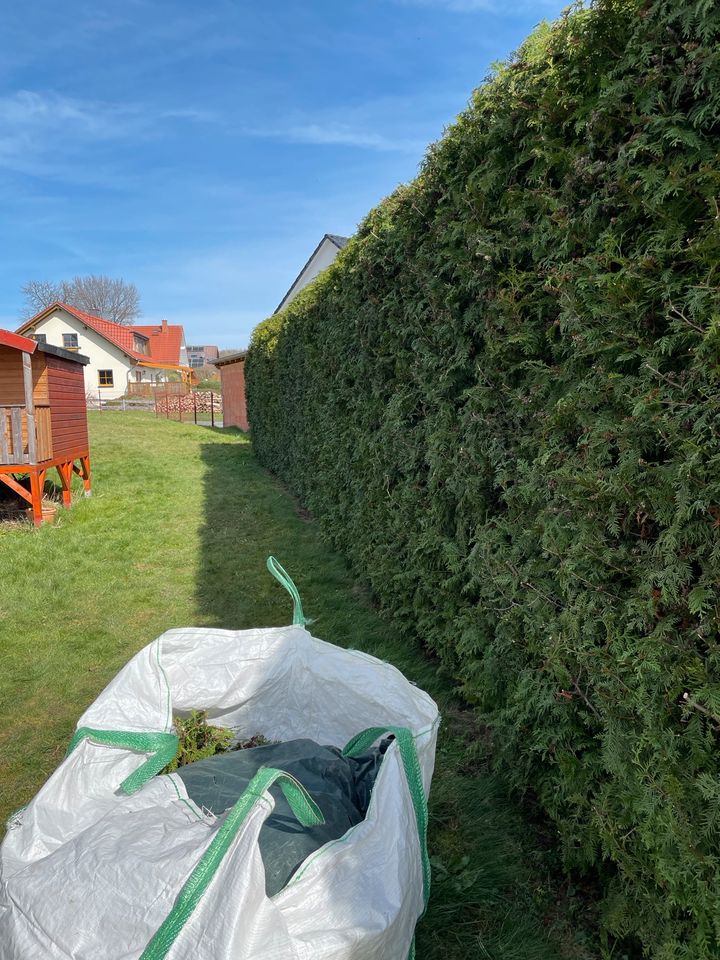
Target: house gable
165, 341
321, 258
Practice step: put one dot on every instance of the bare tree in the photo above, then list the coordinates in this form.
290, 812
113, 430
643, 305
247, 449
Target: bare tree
106, 297
39, 294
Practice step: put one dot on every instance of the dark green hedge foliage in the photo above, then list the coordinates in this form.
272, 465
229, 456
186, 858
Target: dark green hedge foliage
502, 402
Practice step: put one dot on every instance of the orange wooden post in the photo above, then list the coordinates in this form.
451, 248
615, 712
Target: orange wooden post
65, 471
84, 471
36, 494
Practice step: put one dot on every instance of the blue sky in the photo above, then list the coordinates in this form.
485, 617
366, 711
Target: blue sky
201, 149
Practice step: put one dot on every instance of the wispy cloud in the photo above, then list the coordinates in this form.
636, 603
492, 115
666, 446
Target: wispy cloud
401, 124
28, 117
31, 121
510, 7
457, 6
338, 134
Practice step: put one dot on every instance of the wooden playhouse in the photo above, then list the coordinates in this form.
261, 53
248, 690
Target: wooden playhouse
43, 418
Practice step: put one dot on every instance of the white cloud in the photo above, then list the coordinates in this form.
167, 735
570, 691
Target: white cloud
389, 124
458, 6
338, 134
31, 122
484, 6
27, 112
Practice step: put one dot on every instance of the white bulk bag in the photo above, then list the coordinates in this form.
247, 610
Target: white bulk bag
111, 862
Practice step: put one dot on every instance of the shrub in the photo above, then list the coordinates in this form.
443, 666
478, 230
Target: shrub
502, 403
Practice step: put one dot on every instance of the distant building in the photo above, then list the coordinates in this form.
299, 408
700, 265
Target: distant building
204, 356
321, 257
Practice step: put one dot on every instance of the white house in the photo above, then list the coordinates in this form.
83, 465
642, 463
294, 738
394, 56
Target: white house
118, 354
321, 257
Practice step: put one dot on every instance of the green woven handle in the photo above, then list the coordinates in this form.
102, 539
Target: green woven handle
413, 774
162, 746
304, 809
283, 577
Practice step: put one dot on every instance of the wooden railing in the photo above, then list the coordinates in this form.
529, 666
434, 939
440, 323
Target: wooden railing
152, 390
14, 440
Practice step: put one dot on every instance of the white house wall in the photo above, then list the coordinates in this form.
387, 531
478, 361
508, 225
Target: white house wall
103, 354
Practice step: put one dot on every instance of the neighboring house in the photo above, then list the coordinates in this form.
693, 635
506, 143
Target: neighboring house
204, 356
117, 354
321, 257
232, 376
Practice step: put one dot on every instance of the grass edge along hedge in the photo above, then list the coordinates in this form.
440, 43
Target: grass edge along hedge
501, 402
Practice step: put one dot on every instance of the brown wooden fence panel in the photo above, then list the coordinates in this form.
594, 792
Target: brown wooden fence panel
152, 390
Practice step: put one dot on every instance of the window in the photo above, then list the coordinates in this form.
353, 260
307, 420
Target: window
105, 378
196, 362
70, 341
140, 344
40, 337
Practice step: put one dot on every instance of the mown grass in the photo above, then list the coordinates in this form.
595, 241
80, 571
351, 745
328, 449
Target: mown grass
177, 532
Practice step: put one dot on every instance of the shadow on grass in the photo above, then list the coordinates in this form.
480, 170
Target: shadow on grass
495, 888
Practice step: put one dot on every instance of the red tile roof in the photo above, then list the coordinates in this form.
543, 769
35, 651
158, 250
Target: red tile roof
116, 333
164, 340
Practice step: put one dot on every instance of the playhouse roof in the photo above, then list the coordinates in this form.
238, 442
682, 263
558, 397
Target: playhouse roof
17, 342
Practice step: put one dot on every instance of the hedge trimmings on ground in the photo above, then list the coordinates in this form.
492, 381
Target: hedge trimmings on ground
502, 402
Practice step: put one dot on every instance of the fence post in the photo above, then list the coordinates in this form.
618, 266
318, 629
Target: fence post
99, 400
195, 406
212, 410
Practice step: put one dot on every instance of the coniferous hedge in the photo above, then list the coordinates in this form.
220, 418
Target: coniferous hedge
503, 404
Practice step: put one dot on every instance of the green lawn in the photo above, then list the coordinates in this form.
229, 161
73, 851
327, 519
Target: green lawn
176, 533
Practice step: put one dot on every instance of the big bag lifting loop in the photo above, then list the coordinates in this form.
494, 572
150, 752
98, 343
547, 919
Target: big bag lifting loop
162, 746
413, 775
305, 811
283, 577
